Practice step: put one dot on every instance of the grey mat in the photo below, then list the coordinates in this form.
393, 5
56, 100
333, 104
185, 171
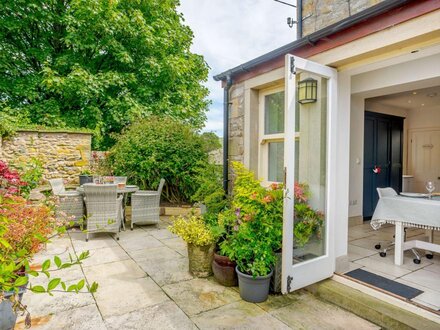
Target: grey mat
386, 284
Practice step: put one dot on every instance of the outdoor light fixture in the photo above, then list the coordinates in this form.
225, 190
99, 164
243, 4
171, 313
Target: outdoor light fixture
307, 91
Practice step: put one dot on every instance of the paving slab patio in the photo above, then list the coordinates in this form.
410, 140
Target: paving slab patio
144, 283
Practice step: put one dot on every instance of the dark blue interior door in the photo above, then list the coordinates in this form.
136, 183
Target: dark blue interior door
382, 157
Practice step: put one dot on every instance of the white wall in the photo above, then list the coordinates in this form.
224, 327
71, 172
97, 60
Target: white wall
424, 118
410, 75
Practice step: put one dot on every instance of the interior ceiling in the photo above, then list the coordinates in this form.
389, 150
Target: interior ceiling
417, 99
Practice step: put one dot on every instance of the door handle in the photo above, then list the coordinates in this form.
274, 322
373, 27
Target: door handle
376, 169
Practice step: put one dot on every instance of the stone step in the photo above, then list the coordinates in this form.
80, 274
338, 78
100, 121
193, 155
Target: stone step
377, 311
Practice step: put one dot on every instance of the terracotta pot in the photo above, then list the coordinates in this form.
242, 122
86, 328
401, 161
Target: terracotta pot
224, 261
200, 259
224, 270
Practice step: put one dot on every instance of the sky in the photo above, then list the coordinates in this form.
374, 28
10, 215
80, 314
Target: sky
230, 32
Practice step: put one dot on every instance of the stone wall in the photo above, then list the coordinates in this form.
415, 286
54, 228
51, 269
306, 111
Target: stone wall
63, 154
318, 14
236, 123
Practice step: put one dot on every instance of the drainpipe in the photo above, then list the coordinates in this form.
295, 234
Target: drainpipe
299, 20
226, 133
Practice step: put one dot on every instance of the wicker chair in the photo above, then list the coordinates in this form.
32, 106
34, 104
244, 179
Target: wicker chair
70, 204
145, 206
104, 209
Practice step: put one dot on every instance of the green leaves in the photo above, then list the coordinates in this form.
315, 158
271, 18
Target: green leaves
99, 65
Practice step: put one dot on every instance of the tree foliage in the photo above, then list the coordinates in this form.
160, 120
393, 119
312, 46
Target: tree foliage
157, 148
98, 64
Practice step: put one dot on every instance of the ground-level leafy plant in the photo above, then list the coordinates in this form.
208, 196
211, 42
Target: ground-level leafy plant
25, 228
254, 223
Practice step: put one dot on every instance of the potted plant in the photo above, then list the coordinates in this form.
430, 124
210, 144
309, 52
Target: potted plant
256, 233
308, 222
85, 177
24, 230
200, 240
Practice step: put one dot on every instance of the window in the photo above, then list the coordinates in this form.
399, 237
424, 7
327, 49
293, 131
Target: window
272, 135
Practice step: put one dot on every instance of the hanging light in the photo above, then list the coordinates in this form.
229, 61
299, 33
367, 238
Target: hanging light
307, 91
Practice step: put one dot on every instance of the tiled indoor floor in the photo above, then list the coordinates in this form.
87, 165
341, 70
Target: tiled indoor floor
424, 276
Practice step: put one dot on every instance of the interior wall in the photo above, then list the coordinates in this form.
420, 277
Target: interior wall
393, 79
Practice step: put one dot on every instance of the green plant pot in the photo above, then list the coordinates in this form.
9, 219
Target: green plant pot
253, 290
200, 259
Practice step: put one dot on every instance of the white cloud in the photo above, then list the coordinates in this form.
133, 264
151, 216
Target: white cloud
230, 32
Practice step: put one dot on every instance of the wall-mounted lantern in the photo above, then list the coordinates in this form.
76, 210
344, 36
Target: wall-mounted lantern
307, 91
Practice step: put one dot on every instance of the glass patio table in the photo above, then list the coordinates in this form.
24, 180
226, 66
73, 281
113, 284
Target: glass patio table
128, 189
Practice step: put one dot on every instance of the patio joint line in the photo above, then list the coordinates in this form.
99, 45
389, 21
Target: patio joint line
189, 317
87, 280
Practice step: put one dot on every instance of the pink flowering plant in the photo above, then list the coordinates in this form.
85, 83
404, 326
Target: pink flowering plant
255, 221
10, 181
25, 229
307, 221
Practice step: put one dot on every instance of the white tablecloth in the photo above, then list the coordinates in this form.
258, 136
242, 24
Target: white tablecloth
411, 212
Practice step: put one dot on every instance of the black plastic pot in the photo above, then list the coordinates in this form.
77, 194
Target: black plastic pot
85, 179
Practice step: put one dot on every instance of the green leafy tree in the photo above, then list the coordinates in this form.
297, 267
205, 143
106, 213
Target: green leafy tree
98, 64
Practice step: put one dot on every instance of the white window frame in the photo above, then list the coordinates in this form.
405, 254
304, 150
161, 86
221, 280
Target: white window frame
265, 139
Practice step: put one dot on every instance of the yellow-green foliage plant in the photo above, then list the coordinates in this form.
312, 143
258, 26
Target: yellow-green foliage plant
193, 230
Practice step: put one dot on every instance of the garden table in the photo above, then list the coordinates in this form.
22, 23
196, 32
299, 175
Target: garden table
128, 189
408, 212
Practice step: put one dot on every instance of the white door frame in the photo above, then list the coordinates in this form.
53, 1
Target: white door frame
314, 270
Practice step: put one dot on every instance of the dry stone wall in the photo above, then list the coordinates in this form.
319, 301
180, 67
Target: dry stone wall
63, 154
236, 123
318, 14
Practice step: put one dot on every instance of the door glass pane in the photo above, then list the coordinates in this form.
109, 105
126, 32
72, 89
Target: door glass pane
310, 175
274, 113
276, 161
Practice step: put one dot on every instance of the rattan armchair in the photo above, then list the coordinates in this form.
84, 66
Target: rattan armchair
70, 204
104, 209
145, 206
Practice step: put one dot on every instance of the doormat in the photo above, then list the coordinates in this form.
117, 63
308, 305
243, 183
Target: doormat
383, 283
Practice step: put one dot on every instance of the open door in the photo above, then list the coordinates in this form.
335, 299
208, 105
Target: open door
310, 194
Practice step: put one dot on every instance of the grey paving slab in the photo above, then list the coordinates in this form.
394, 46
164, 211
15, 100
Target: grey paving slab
166, 271
81, 318
139, 243
200, 295
177, 244
308, 312
123, 270
162, 234
163, 316
96, 241
105, 255
117, 297
238, 315
154, 254
43, 304
277, 301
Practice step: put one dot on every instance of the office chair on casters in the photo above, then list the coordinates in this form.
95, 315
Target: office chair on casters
389, 192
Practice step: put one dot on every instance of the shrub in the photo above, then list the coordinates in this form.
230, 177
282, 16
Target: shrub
160, 148
254, 223
193, 230
10, 180
31, 172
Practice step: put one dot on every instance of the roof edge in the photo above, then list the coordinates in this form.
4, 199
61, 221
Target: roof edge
314, 37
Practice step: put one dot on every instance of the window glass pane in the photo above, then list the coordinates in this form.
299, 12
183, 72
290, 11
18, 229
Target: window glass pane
274, 113
310, 177
276, 161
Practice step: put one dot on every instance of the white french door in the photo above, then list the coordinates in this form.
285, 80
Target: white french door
309, 162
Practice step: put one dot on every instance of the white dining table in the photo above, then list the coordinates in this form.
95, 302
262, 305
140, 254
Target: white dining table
404, 212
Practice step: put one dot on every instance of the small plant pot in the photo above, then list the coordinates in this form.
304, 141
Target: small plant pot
252, 289
85, 179
7, 315
224, 270
200, 259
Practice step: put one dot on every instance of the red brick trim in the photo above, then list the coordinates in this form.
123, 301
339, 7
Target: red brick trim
360, 30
